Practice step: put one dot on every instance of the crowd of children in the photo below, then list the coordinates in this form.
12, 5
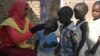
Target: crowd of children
80, 39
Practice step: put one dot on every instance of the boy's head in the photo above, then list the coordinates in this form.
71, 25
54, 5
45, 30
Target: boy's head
96, 10
80, 10
51, 24
65, 14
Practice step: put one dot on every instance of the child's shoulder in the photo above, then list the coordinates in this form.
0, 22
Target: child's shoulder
83, 23
72, 26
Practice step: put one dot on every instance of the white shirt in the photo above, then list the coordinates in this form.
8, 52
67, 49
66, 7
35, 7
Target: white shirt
94, 28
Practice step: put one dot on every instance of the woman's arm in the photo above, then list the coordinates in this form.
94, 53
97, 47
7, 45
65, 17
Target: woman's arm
37, 28
17, 37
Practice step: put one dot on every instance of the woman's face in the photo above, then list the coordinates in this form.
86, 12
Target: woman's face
22, 11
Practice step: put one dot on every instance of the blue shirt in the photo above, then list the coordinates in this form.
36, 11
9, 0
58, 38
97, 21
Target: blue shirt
46, 39
67, 40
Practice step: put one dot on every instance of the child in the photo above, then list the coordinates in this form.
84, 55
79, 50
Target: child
47, 39
94, 35
81, 10
66, 41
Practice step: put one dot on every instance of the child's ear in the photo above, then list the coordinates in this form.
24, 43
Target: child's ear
82, 13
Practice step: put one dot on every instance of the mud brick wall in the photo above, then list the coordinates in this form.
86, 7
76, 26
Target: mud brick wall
5, 5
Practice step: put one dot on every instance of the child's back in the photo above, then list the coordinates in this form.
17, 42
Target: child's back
81, 10
66, 41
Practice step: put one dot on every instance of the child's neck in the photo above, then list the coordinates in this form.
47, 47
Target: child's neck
66, 24
82, 19
46, 32
96, 19
79, 21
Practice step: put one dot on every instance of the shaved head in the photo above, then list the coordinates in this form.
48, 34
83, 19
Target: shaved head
82, 8
97, 3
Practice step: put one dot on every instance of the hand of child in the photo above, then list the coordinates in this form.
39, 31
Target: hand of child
93, 51
87, 52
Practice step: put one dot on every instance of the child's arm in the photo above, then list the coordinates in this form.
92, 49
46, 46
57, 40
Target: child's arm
93, 50
84, 29
17, 37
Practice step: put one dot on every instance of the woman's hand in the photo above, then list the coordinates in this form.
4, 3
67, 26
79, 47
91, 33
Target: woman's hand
37, 28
